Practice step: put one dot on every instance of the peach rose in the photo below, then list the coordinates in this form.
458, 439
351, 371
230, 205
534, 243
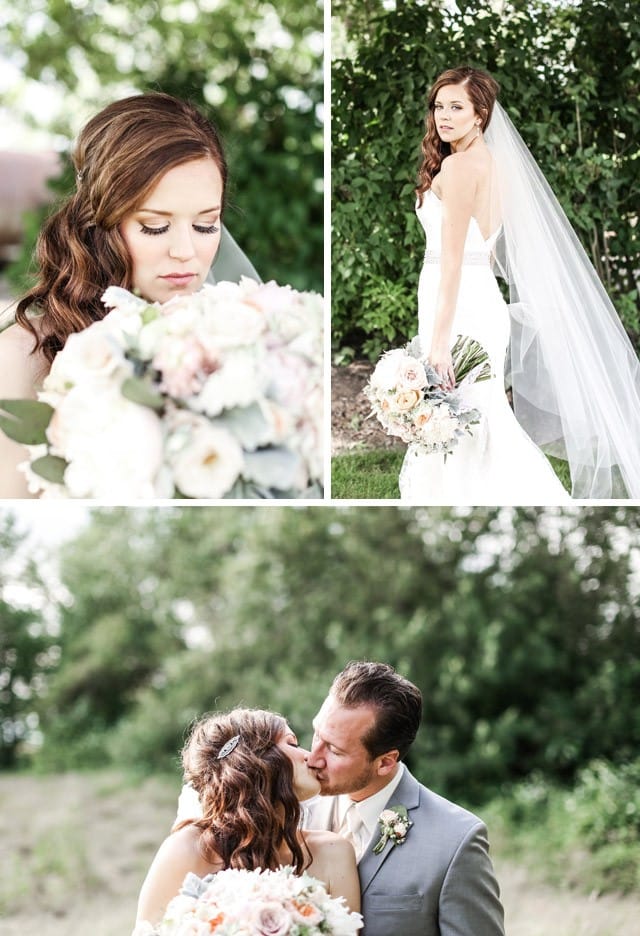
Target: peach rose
406, 400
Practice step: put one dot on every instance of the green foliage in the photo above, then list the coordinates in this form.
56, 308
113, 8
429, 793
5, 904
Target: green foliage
587, 835
520, 627
25, 642
255, 71
564, 71
606, 803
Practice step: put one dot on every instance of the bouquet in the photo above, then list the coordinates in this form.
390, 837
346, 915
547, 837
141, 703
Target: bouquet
406, 395
213, 395
254, 903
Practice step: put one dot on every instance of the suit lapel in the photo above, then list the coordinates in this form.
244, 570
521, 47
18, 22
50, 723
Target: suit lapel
406, 794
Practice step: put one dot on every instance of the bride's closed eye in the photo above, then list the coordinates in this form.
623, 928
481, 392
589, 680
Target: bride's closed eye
200, 228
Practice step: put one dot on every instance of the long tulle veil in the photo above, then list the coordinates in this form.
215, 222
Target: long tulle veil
575, 376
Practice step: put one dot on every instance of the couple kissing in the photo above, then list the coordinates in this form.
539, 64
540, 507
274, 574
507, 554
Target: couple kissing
349, 812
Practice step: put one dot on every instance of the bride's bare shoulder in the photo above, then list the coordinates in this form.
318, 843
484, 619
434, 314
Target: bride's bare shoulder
474, 161
20, 369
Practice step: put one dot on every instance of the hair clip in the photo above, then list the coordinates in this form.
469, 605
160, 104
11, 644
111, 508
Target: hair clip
79, 175
230, 746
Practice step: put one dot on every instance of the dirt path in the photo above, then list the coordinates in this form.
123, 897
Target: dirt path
352, 427
76, 848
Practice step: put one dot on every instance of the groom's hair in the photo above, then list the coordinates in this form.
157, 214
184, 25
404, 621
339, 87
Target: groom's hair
398, 704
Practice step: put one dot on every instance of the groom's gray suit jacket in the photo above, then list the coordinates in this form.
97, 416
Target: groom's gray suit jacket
438, 882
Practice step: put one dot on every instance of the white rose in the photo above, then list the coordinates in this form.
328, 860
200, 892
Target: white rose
388, 816
231, 324
411, 374
114, 446
236, 383
385, 374
127, 311
206, 459
91, 354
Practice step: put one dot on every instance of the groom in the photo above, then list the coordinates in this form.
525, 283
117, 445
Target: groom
437, 880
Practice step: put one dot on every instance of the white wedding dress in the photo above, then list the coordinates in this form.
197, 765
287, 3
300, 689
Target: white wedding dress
499, 463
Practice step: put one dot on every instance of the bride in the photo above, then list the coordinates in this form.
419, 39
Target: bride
250, 775
575, 378
146, 215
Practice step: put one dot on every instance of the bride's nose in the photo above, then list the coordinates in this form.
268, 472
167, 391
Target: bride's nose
181, 246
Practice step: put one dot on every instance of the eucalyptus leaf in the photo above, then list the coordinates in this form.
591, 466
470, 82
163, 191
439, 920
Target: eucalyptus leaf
273, 468
142, 392
248, 424
25, 421
51, 468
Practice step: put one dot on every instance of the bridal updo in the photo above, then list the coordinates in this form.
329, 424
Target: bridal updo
120, 156
482, 90
245, 783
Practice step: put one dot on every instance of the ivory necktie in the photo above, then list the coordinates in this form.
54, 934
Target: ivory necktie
353, 828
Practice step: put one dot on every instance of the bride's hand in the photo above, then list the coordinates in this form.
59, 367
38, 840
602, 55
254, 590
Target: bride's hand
441, 360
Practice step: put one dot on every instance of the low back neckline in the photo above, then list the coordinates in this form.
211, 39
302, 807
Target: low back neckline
485, 240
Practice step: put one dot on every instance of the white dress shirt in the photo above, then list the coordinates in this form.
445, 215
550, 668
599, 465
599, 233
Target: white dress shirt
369, 811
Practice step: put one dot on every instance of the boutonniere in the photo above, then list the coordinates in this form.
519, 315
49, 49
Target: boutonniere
394, 827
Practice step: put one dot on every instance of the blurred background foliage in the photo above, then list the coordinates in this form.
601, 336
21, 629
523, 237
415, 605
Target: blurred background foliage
569, 72
521, 626
254, 68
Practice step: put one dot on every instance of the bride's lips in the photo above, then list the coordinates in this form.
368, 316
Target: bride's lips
179, 279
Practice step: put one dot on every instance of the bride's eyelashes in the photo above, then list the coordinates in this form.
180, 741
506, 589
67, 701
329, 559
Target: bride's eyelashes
200, 228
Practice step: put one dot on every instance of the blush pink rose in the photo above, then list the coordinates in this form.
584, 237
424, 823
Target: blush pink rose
271, 919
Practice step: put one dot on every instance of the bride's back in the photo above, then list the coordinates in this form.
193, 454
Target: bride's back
477, 164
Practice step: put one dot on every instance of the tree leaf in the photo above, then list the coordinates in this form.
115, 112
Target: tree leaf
25, 420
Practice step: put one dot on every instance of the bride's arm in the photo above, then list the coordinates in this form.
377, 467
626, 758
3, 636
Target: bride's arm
18, 375
177, 855
458, 187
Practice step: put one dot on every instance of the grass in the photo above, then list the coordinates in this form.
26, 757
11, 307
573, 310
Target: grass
76, 848
366, 475
374, 474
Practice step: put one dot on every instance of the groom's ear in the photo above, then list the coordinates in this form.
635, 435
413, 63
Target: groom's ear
388, 762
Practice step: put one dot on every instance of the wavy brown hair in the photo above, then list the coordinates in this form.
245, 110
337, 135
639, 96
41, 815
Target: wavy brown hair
249, 808
482, 90
120, 155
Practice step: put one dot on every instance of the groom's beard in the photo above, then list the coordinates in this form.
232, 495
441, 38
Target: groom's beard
346, 785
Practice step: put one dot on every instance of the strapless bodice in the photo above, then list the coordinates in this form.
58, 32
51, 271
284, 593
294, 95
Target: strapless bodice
476, 248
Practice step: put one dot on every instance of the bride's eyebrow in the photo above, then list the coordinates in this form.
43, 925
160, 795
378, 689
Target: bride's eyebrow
168, 214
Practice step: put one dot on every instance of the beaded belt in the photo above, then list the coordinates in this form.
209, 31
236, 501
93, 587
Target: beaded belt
473, 258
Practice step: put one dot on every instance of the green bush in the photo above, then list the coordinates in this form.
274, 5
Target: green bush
563, 70
606, 803
587, 836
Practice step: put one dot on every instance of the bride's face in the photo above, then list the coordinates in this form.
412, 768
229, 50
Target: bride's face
173, 236
454, 114
305, 784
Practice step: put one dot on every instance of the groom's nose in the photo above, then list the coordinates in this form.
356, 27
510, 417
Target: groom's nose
315, 757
